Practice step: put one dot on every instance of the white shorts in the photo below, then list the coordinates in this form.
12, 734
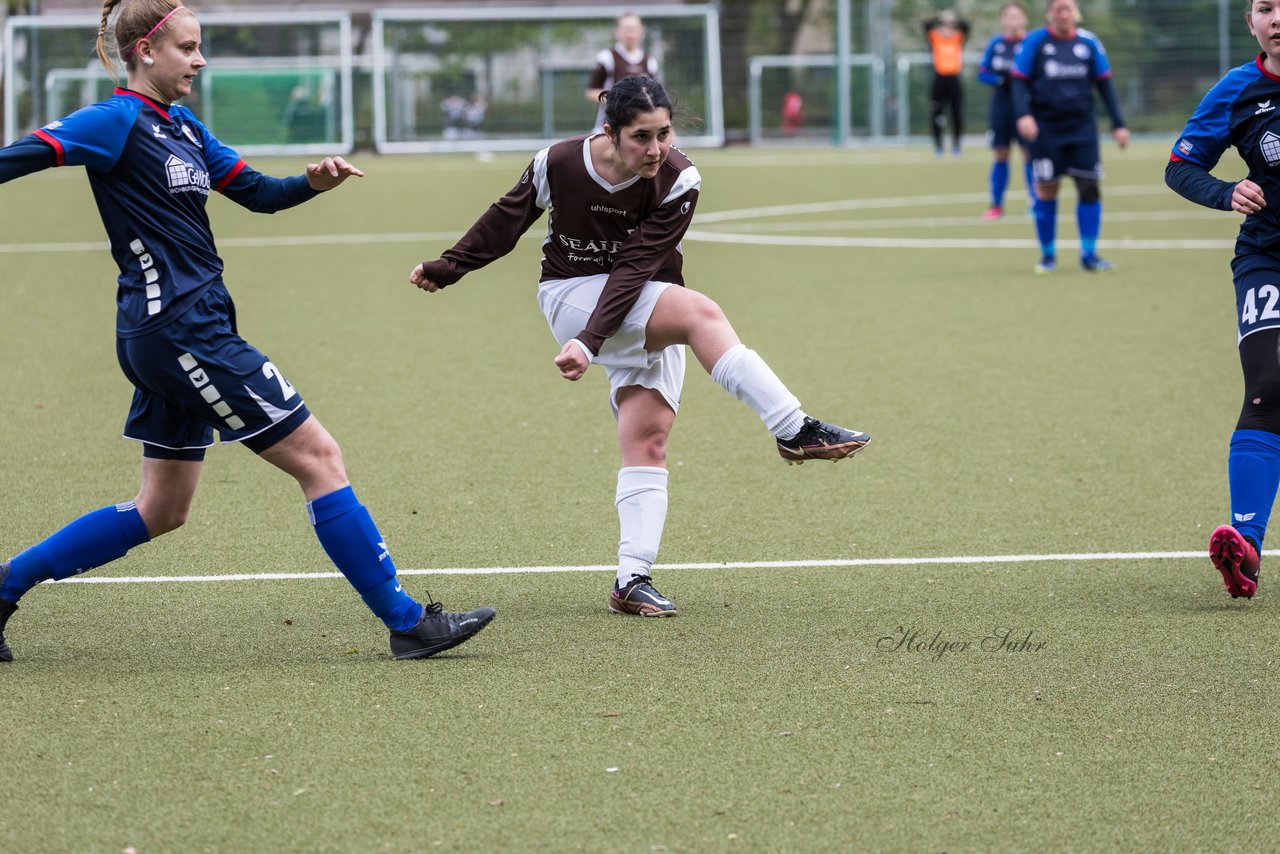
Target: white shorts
568, 303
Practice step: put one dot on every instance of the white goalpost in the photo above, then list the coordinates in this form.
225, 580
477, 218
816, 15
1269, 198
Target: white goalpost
502, 79
277, 82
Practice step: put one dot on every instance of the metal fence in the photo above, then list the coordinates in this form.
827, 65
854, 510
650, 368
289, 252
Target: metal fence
856, 65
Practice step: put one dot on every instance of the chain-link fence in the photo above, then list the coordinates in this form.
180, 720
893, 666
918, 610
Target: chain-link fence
778, 59
1164, 53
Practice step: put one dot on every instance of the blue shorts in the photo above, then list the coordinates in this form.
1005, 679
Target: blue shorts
1257, 281
1051, 159
197, 373
1002, 125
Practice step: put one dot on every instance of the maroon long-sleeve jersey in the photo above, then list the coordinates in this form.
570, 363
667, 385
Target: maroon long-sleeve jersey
631, 231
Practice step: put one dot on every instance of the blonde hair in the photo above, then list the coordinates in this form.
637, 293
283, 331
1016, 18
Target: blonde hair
127, 22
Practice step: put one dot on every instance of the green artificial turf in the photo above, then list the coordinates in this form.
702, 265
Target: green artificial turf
1011, 415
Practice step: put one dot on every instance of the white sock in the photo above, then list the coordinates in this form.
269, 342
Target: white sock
743, 374
642, 512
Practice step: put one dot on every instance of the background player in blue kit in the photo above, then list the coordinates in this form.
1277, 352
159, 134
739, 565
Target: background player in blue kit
1239, 112
1053, 81
997, 62
151, 165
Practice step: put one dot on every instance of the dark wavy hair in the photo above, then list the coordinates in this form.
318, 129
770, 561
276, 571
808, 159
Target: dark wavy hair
632, 96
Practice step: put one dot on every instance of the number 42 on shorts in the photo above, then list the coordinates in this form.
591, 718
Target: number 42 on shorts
1270, 297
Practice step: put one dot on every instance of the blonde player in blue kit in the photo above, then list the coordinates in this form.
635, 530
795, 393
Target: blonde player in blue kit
152, 165
1053, 78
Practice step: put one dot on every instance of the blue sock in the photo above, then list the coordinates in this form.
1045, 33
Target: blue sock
92, 540
1031, 181
999, 181
1253, 468
346, 530
1047, 226
1089, 221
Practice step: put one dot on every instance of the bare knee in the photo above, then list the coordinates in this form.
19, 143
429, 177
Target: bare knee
312, 457
322, 470
647, 449
644, 423
327, 459
160, 515
706, 312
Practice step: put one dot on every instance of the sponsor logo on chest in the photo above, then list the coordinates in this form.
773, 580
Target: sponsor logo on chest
1269, 145
1065, 70
184, 177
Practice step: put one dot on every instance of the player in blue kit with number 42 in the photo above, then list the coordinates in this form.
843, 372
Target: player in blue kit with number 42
1240, 111
152, 165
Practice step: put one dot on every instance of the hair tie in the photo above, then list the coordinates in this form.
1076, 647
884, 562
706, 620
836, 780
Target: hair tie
151, 31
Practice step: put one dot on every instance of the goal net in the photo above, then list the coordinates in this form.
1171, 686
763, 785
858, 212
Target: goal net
276, 83
515, 78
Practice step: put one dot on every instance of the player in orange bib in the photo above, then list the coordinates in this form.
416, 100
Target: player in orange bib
947, 35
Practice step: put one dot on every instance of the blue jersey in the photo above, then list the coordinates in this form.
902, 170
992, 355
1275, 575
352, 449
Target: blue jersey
1240, 111
997, 62
1060, 74
151, 169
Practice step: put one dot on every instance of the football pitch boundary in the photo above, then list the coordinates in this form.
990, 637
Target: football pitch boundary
755, 233
852, 563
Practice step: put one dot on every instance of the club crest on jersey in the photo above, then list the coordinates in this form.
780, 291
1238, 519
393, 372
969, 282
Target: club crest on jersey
1270, 145
1081, 51
189, 134
185, 177
1263, 107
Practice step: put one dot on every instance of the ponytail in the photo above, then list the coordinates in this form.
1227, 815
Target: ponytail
125, 23
104, 52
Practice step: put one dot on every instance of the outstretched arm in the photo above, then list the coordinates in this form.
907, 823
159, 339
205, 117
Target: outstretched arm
27, 155
330, 172
264, 194
493, 235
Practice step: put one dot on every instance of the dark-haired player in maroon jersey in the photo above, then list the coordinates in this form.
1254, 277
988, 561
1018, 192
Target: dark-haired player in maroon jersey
626, 58
618, 204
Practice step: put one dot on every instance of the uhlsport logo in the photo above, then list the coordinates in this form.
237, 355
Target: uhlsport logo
184, 177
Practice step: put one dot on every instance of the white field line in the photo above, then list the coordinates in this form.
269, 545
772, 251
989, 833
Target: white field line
814, 241
713, 217
894, 202
297, 240
693, 235
1012, 220
960, 560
